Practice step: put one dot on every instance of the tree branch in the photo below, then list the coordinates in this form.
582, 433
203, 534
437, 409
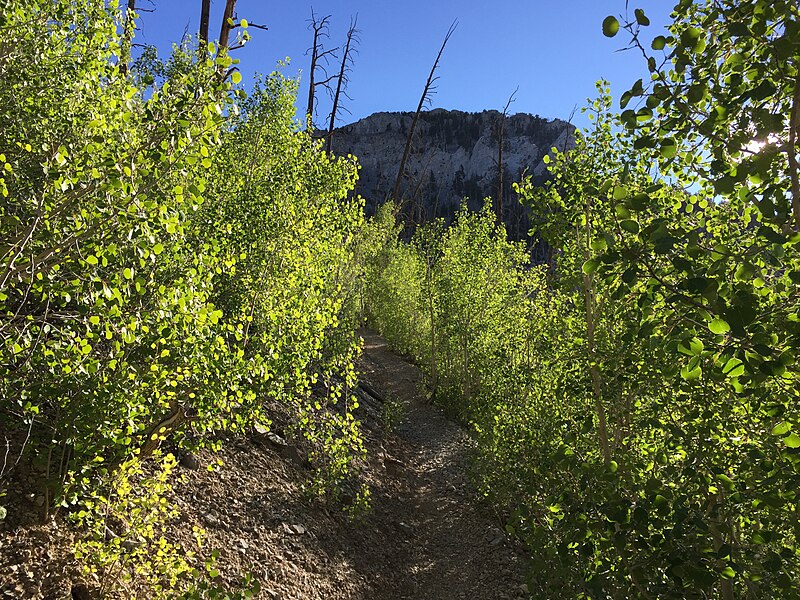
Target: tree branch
352, 36
423, 99
794, 125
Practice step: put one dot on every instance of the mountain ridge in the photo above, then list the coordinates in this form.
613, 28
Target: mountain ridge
454, 156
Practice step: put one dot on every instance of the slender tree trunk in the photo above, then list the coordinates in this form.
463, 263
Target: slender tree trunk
597, 387
500, 166
318, 53
467, 386
225, 29
591, 325
432, 316
205, 11
425, 94
311, 84
340, 82
127, 36
794, 170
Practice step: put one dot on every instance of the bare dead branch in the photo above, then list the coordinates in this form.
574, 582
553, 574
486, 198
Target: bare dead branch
320, 29
500, 166
432, 77
343, 80
254, 25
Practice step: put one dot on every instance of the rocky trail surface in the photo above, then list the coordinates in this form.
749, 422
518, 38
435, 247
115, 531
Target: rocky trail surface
428, 535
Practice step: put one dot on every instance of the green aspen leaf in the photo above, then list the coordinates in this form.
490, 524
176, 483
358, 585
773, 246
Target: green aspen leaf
243, 23
727, 482
620, 192
745, 272
236, 77
669, 149
590, 266
733, 368
127, 273
610, 26
781, 428
599, 244
92, 259
640, 201
792, 441
659, 43
690, 374
719, 326
641, 18
630, 226
728, 573
689, 36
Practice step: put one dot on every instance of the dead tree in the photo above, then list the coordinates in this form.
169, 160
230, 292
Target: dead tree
227, 23
425, 98
127, 36
501, 128
205, 11
128, 28
343, 77
318, 55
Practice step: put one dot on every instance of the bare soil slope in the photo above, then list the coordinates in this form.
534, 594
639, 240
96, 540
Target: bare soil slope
427, 537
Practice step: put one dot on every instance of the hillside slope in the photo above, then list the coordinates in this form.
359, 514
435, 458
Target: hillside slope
428, 535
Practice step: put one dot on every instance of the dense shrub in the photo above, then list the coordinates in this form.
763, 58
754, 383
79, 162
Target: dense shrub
635, 405
176, 256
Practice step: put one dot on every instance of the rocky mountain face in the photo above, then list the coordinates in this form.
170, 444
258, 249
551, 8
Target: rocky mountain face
454, 156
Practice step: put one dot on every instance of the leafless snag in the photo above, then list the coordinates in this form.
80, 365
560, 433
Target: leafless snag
501, 127
205, 11
127, 36
318, 56
227, 23
343, 77
426, 96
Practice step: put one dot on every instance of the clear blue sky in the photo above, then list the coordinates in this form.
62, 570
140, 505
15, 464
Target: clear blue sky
554, 50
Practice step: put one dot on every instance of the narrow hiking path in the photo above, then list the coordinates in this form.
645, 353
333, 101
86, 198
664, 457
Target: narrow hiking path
454, 549
427, 537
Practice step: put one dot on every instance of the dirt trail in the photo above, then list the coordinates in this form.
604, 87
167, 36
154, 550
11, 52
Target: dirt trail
455, 549
428, 536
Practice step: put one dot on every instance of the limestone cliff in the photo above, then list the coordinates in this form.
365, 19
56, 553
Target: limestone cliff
453, 157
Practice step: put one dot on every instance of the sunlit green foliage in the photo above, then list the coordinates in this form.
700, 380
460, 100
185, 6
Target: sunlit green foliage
175, 255
171, 248
646, 445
